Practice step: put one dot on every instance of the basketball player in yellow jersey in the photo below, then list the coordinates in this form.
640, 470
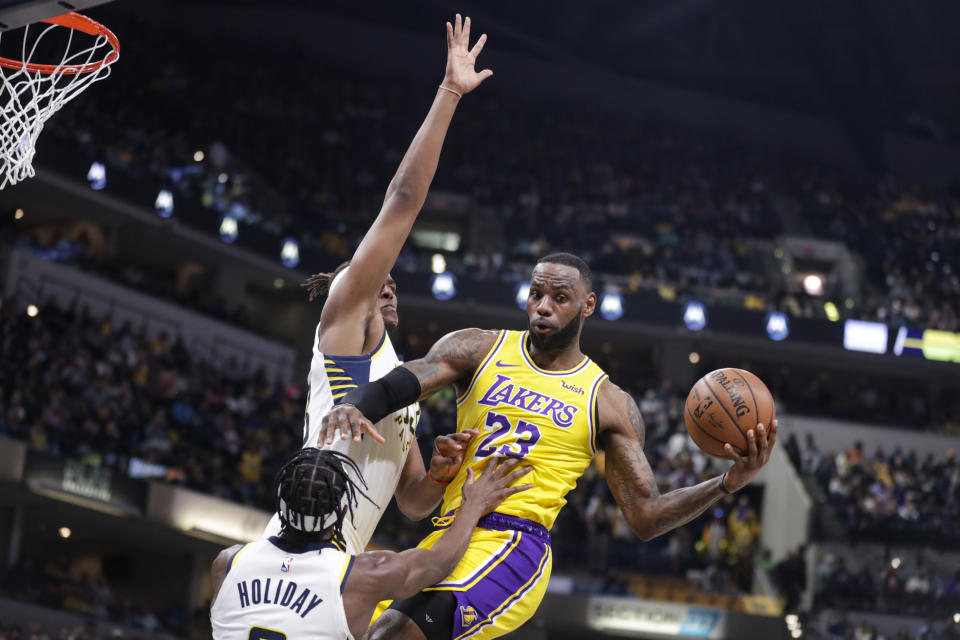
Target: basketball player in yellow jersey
536, 396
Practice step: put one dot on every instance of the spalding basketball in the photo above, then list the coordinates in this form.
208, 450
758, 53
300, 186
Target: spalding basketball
723, 405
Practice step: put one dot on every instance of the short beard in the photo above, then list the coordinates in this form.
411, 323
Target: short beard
559, 340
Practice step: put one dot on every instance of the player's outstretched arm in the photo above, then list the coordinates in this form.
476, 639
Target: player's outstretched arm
452, 360
631, 479
385, 575
373, 259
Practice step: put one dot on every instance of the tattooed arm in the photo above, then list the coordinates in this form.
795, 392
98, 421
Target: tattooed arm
631, 479
452, 360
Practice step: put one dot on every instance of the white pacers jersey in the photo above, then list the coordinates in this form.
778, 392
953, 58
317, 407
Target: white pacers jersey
272, 593
331, 378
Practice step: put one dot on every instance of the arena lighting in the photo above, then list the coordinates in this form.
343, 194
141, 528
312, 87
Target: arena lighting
278, 283
97, 176
694, 357
833, 314
895, 563
778, 326
694, 315
163, 205
792, 619
198, 156
18, 214
443, 286
228, 229
796, 633
956, 618
520, 294
290, 253
438, 264
64, 532
813, 285
32, 310
611, 306
869, 337
222, 178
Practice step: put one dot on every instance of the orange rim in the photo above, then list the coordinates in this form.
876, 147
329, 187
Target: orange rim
80, 23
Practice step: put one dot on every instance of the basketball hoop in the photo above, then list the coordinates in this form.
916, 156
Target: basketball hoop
31, 92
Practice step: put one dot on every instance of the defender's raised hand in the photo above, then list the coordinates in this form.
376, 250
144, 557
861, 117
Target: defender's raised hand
461, 75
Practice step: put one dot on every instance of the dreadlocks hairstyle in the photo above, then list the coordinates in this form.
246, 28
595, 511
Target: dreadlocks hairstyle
318, 285
315, 491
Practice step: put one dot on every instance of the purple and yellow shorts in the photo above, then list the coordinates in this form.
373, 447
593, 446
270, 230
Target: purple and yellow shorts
501, 579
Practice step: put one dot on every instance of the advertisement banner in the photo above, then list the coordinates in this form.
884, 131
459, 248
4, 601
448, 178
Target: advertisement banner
654, 619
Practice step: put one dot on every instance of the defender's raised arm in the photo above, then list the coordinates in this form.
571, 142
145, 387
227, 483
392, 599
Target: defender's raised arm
351, 300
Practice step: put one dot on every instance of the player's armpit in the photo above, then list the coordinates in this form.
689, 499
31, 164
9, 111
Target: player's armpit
630, 478
452, 360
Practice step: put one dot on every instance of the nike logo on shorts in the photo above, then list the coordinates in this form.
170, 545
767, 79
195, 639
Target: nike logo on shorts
501, 364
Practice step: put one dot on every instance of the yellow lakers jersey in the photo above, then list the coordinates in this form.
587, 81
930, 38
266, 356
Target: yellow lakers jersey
548, 418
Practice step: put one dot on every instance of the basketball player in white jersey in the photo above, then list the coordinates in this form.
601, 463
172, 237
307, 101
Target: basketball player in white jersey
301, 584
351, 346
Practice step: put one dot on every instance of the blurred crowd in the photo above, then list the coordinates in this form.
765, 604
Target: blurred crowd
674, 211
922, 590
840, 626
890, 496
114, 397
50, 582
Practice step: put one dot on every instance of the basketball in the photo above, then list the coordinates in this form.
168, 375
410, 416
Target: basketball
723, 405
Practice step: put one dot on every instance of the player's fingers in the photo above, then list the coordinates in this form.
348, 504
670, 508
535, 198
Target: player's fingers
457, 29
752, 444
733, 455
347, 424
449, 36
518, 473
509, 491
367, 426
506, 466
774, 427
466, 32
486, 73
478, 47
469, 476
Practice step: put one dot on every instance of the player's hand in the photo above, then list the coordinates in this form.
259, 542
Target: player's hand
448, 454
460, 74
759, 445
351, 423
483, 494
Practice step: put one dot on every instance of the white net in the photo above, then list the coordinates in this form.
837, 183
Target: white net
32, 91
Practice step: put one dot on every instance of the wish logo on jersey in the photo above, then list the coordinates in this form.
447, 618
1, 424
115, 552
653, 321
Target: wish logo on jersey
504, 391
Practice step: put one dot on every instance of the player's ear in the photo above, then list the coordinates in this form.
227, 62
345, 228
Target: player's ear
589, 304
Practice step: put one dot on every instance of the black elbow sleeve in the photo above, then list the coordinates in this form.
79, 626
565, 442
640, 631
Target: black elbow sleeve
382, 397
